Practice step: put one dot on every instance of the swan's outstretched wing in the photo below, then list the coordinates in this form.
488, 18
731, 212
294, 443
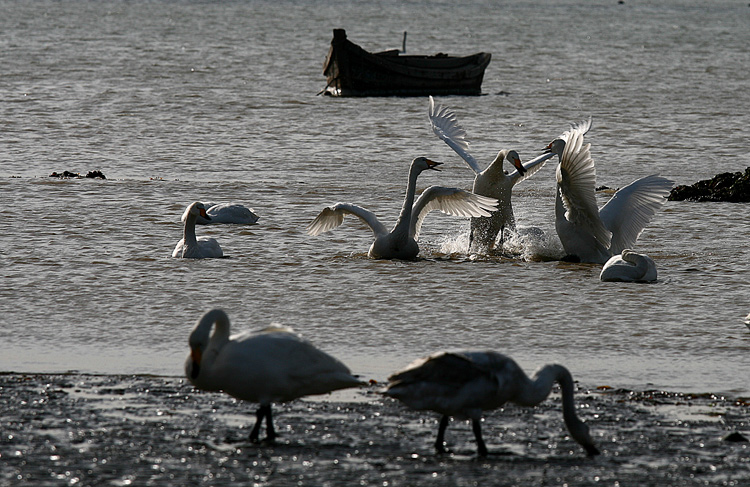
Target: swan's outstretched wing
530, 168
577, 130
631, 209
445, 125
452, 201
576, 181
333, 216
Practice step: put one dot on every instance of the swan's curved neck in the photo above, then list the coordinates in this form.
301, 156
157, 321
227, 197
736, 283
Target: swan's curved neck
189, 231
538, 389
495, 169
220, 335
404, 219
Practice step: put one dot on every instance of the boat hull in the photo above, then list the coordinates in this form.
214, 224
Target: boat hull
352, 71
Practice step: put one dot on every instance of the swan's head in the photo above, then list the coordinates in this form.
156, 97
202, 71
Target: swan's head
422, 163
515, 159
580, 433
557, 146
199, 339
196, 209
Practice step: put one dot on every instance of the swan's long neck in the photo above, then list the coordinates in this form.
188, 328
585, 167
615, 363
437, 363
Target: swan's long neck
404, 219
495, 169
537, 389
189, 232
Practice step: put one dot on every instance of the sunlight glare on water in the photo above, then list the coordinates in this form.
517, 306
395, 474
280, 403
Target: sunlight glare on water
178, 102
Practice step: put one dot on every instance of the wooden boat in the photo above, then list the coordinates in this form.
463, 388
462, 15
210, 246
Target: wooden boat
352, 71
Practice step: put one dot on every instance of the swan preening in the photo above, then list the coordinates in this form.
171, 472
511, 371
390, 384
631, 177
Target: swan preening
266, 366
227, 213
587, 233
629, 266
401, 242
190, 247
464, 384
492, 181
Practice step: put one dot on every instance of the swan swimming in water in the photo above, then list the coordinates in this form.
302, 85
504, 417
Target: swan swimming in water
464, 384
587, 233
629, 266
227, 213
266, 366
491, 181
401, 242
190, 247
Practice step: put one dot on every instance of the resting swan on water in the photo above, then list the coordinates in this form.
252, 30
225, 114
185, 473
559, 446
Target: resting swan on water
464, 384
227, 213
629, 267
587, 233
491, 181
191, 247
266, 366
401, 242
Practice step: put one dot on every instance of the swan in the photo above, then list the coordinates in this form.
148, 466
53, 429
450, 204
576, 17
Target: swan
464, 384
587, 233
629, 266
191, 247
266, 366
227, 213
401, 242
491, 181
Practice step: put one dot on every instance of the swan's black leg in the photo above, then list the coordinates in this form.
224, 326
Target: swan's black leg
440, 443
256, 429
476, 425
270, 433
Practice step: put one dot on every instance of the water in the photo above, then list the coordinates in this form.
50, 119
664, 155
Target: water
184, 101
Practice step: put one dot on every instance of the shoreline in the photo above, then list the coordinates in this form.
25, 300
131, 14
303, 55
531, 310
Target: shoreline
85, 429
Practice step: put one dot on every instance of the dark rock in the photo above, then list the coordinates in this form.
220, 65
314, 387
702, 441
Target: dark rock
728, 186
95, 175
736, 438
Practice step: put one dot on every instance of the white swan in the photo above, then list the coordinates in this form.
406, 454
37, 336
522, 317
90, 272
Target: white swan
464, 384
401, 242
190, 247
629, 267
266, 366
587, 233
227, 213
491, 181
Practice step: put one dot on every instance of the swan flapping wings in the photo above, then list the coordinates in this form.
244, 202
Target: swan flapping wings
445, 125
451, 201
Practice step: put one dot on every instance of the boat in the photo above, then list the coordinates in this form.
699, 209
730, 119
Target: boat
353, 71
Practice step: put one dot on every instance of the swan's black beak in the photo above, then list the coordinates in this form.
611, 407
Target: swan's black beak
433, 165
204, 214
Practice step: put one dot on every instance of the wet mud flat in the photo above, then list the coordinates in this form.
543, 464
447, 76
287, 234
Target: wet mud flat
143, 430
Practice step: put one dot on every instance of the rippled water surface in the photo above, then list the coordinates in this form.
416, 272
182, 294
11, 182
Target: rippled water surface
184, 101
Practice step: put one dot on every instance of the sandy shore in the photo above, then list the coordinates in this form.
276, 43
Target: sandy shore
142, 430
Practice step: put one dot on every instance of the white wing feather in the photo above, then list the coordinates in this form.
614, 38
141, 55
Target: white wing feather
445, 125
631, 208
452, 201
333, 216
576, 179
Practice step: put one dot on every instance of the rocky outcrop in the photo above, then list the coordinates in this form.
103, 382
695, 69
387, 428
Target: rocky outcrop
729, 186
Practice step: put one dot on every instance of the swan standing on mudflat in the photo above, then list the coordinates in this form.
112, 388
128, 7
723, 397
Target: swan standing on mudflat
464, 384
266, 366
191, 247
587, 233
227, 213
491, 181
401, 242
629, 267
